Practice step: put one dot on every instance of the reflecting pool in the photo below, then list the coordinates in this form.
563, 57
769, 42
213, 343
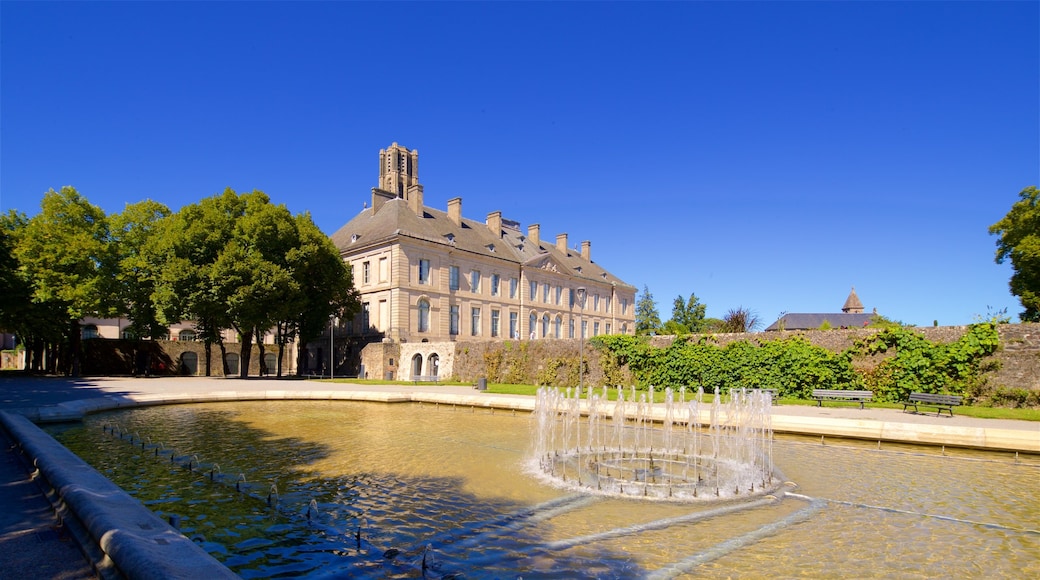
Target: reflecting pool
367, 490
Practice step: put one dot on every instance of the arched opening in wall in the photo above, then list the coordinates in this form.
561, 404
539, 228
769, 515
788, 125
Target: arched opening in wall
417, 365
624, 328
232, 364
189, 364
89, 331
186, 335
433, 364
558, 327
271, 362
545, 326
531, 324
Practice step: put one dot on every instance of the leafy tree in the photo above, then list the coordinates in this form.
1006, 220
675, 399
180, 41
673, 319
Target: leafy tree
687, 314
647, 318
65, 253
326, 287
1019, 241
131, 233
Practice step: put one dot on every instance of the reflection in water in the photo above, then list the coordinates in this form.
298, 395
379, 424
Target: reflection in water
335, 489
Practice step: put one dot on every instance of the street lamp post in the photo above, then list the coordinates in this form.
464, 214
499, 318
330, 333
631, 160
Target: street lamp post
580, 296
332, 346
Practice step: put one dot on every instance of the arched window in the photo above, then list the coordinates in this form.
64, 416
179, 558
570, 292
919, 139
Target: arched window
624, 328
89, 331
558, 327
186, 335
433, 364
545, 325
416, 365
232, 364
190, 363
532, 324
424, 315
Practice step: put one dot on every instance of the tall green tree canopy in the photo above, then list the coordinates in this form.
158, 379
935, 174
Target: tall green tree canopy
1019, 241
687, 315
132, 232
647, 318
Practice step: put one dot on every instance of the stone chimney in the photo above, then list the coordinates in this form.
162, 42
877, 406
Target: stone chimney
532, 234
379, 197
494, 223
415, 198
586, 250
561, 242
455, 210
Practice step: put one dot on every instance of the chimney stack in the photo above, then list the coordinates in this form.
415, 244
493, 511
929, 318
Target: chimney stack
532, 234
561, 242
494, 223
455, 210
586, 250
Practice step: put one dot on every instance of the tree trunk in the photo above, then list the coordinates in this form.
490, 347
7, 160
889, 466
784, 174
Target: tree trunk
301, 358
244, 356
76, 346
280, 336
223, 357
208, 344
260, 345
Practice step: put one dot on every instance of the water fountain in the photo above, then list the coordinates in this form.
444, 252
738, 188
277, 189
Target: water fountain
373, 490
656, 451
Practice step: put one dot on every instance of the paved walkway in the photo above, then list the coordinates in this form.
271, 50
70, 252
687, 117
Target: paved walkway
32, 544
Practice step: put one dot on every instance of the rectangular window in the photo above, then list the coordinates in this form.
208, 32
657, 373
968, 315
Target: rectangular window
607, 328
570, 329
514, 332
559, 294
453, 320
624, 306
595, 302
595, 329
494, 284
366, 268
607, 307
424, 271
384, 270
513, 283
494, 322
584, 328
383, 315
474, 281
453, 277
474, 322
365, 311
545, 293
534, 291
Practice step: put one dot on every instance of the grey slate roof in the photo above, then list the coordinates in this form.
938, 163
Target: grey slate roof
809, 321
394, 218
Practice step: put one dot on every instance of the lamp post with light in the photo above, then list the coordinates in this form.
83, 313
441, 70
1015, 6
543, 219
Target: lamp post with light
579, 294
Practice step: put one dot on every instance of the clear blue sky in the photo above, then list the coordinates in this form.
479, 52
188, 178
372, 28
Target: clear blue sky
764, 155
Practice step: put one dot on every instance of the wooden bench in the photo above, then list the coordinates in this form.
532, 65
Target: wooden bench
860, 397
939, 402
425, 379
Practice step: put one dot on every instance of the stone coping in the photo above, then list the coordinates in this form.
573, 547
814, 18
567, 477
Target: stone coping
134, 542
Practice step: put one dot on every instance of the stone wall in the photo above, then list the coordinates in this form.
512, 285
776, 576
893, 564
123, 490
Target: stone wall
528, 361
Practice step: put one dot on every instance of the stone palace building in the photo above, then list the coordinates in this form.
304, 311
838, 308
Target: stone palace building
430, 278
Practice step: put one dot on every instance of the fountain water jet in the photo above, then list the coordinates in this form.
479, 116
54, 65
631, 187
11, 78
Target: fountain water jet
656, 451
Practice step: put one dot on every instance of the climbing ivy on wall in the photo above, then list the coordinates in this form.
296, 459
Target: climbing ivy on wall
794, 366
915, 364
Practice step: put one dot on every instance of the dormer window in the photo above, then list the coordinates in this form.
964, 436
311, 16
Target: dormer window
353, 238
491, 247
451, 238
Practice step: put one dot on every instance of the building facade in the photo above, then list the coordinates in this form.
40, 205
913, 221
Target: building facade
430, 276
